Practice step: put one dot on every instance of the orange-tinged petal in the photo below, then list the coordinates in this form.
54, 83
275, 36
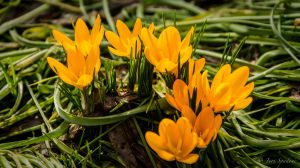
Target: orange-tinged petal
81, 32
180, 90
217, 125
118, 52
221, 76
151, 27
97, 66
123, 30
243, 103
205, 85
61, 38
137, 27
244, 93
162, 128
185, 55
60, 69
189, 114
187, 39
189, 143
84, 81
201, 144
222, 94
166, 65
91, 60
238, 78
189, 159
170, 99
166, 155
173, 137
155, 141
115, 41
76, 62
169, 42
97, 32
199, 64
204, 120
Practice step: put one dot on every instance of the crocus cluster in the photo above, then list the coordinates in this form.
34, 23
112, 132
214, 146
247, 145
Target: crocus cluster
199, 101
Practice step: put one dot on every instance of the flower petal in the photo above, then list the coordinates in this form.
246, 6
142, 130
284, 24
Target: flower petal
84, 81
115, 41
170, 99
123, 30
62, 71
221, 76
61, 38
204, 120
243, 103
137, 27
189, 114
97, 32
189, 159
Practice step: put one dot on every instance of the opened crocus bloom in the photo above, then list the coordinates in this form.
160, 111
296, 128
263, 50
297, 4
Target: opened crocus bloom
84, 40
80, 69
165, 52
127, 44
83, 54
175, 141
206, 124
227, 90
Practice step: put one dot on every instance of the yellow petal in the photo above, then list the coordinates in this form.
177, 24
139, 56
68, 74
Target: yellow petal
151, 27
123, 30
189, 114
180, 90
84, 81
199, 64
221, 76
91, 60
201, 144
155, 141
185, 55
222, 94
97, 32
115, 41
217, 125
76, 62
238, 78
170, 99
244, 93
162, 128
189, 159
61, 38
118, 52
169, 42
205, 86
166, 65
243, 103
137, 27
189, 143
63, 72
187, 39
204, 120
81, 32
173, 137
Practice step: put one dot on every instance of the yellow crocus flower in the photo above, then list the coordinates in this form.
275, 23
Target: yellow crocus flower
80, 69
127, 42
83, 54
227, 90
175, 141
164, 52
206, 124
84, 40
